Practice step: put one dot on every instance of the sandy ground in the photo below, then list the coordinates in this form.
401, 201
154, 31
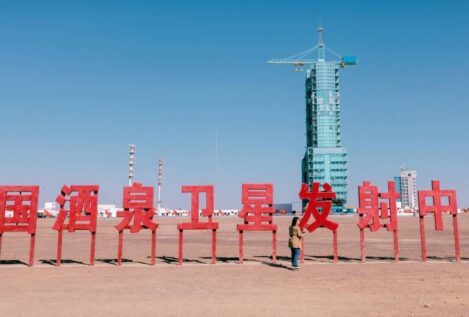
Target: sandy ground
320, 287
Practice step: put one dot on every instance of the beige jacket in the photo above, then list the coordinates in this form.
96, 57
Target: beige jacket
295, 237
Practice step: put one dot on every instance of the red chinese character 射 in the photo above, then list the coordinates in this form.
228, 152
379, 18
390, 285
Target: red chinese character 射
372, 212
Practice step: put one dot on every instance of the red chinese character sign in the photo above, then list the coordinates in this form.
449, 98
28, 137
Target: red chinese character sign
319, 207
18, 212
437, 207
80, 203
137, 204
195, 224
372, 212
257, 213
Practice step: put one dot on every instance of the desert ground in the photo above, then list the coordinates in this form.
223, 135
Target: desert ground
256, 288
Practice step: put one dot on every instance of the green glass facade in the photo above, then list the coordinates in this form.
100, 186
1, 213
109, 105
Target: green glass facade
325, 160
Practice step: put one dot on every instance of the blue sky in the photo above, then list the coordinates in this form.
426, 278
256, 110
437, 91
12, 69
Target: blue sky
80, 80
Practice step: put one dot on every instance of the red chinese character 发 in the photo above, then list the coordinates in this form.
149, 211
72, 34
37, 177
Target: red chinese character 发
18, 212
319, 206
80, 202
371, 211
195, 224
437, 207
138, 204
257, 213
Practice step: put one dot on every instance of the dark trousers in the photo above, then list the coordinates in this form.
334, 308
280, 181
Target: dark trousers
295, 254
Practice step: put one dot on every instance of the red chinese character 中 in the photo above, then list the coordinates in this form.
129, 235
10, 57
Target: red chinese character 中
80, 203
18, 212
137, 204
437, 207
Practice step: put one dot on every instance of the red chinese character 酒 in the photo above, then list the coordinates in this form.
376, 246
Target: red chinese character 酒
137, 204
18, 212
80, 202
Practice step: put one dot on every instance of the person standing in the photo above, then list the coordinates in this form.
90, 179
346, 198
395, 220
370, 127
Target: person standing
294, 243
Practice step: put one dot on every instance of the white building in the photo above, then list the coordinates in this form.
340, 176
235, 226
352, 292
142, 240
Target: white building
409, 189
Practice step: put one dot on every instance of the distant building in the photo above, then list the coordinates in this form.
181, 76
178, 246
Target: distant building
397, 181
408, 188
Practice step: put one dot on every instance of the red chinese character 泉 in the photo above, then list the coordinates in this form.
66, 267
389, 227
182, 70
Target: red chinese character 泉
137, 204
257, 213
80, 202
18, 212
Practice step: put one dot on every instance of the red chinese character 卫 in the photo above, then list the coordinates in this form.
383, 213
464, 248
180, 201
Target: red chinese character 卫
137, 204
80, 202
195, 224
437, 207
319, 206
372, 211
18, 212
257, 213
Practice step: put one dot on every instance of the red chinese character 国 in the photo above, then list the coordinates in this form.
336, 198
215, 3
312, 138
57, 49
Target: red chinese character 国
18, 212
80, 203
138, 205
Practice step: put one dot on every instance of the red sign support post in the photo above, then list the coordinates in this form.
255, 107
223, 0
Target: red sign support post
18, 213
437, 208
257, 213
371, 211
195, 224
82, 214
319, 206
138, 204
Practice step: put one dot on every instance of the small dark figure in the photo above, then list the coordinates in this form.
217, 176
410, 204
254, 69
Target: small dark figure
294, 243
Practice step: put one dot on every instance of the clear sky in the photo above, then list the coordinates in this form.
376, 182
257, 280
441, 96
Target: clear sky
81, 80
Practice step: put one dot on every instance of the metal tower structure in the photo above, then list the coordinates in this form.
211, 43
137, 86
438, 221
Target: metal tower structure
131, 163
325, 159
160, 184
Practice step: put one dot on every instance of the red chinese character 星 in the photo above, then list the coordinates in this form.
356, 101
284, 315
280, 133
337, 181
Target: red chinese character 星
137, 204
18, 212
257, 213
80, 202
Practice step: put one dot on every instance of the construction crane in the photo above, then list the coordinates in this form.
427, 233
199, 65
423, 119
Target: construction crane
301, 59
